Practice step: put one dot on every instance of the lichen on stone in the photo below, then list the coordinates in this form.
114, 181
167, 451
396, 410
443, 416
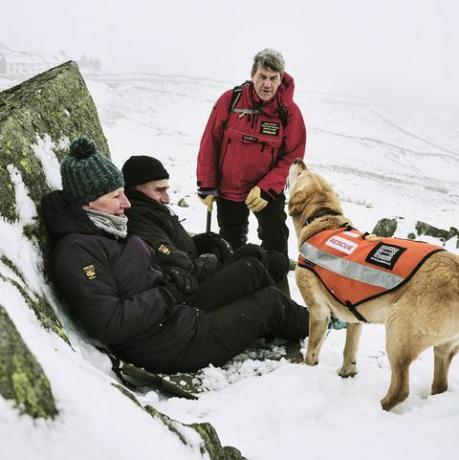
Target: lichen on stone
211, 444
22, 379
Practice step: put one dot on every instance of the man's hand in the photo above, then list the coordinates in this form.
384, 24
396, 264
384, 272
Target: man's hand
213, 243
207, 197
257, 199
184, 281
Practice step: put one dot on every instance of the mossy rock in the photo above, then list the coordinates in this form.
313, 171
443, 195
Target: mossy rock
21, 377
56, 105
444, 235
38, 303
211, 444
385, 227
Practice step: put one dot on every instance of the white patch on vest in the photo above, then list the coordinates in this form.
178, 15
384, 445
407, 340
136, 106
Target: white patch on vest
385, 253
341, 244
353, 234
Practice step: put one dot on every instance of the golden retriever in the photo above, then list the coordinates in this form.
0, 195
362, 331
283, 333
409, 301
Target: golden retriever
423, 312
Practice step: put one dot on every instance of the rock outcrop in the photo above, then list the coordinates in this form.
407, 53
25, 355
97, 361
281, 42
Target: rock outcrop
388, 227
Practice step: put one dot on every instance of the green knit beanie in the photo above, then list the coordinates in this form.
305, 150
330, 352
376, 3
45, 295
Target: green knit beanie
87, 174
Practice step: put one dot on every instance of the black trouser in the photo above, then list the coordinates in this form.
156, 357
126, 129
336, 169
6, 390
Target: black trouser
233, 220
238, 279
229, 330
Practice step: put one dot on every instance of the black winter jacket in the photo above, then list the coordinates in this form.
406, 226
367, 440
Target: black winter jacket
163, 232
114, 288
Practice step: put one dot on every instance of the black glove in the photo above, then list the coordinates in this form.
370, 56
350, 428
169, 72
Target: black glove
182, 279
250, 250
278, 264
213, 244
205, 265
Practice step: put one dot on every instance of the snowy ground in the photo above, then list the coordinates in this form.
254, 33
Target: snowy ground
385, 160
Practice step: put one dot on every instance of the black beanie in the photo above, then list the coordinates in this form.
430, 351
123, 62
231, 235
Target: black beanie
140, 169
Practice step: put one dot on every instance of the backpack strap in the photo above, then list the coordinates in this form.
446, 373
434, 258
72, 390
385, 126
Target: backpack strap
237, 92
283, 115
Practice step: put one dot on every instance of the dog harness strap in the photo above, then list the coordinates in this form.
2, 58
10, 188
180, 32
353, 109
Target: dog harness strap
354, 311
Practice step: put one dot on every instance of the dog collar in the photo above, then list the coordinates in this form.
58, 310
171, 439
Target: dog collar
321, 213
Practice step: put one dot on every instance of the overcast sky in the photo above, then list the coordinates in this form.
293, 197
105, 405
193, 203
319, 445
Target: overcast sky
407, 46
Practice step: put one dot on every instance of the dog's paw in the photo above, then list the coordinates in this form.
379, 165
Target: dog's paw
349, 371
311, 361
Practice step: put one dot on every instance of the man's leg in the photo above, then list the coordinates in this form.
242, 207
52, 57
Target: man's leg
226, 332
272, 228
273, 233
238, 279
233, 220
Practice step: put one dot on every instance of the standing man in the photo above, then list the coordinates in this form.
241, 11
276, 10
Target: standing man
254, 133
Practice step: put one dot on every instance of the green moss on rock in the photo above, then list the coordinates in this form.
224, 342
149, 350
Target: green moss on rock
21, 377
56, 103
39, 304
444, 235
385, 227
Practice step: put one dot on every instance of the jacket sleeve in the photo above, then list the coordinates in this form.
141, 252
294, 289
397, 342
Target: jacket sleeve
166, 254
211, 141
294, 146
96, 302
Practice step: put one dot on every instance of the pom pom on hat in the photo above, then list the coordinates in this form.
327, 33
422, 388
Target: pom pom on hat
83, 147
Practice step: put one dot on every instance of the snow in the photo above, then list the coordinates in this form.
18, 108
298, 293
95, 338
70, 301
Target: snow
385, 159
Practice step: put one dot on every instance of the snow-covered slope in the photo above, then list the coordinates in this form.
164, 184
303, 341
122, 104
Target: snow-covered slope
385, 160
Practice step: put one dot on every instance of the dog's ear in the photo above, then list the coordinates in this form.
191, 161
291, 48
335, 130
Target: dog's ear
296, 203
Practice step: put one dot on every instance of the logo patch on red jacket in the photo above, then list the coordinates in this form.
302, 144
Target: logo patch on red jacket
385, 255
269, 128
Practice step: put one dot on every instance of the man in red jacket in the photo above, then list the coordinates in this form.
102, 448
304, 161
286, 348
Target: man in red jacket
254, 133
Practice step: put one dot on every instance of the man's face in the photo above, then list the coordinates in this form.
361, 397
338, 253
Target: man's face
157, 190
266, 82
111, 203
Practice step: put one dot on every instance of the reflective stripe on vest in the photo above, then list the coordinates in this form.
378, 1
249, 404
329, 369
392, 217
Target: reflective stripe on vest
354, 269
349, 269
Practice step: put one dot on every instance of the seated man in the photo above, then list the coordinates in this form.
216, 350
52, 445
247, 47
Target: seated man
202, 267
114, 288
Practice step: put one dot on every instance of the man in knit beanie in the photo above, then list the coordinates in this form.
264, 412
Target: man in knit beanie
117, 293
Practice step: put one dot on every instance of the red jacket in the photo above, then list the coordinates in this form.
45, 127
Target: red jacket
239, 151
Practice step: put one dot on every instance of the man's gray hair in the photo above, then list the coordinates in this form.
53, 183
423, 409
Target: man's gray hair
268, 59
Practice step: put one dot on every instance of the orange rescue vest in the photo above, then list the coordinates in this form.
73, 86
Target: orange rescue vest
355, 270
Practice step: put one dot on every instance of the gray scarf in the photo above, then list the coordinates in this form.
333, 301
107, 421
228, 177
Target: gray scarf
115, 225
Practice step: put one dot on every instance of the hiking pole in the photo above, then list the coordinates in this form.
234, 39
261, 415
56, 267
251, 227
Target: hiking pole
209, 218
